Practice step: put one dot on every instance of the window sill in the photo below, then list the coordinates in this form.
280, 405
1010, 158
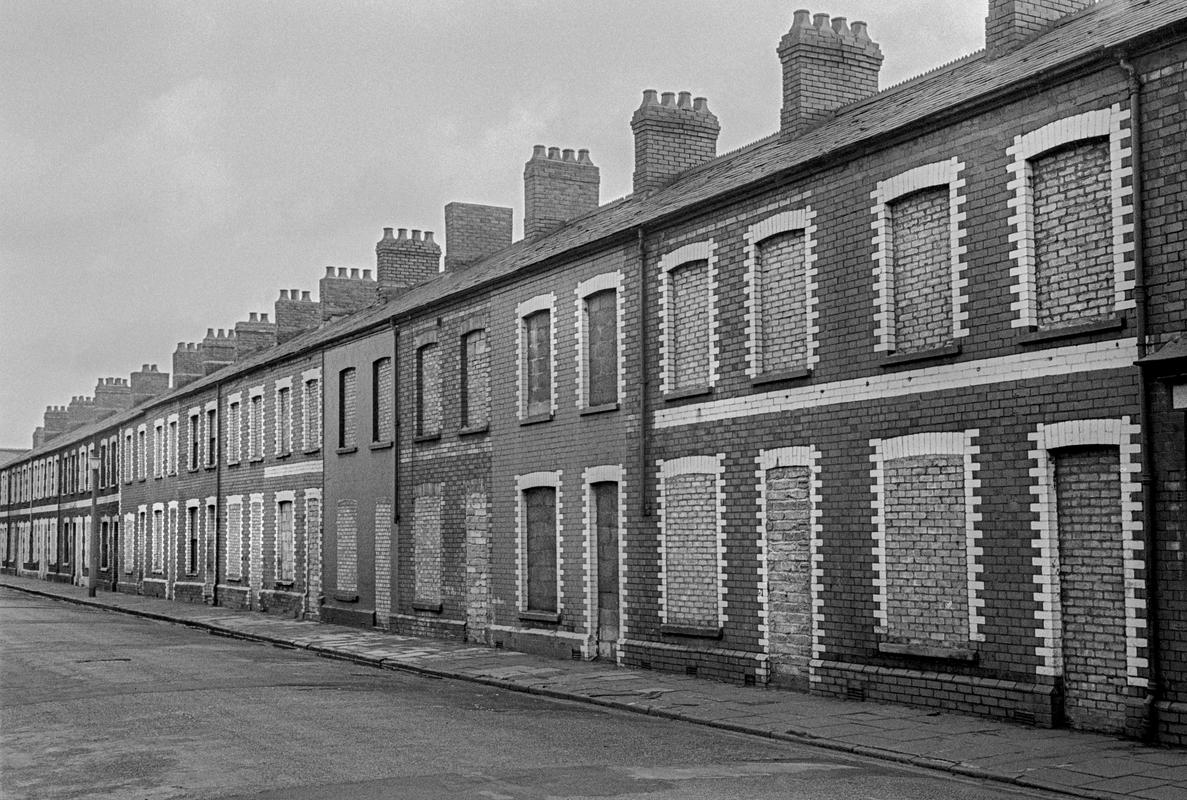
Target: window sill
346, 597
928, 651
684, 394
311, 451
343, 451
427, 437
256, 460
283, 586
777, 377
598, 409
210, 467
1036, 336
690, 631
474, 430
424, 605
233, 463
895, 359
548, 617
536, 419
283, 456
380, 445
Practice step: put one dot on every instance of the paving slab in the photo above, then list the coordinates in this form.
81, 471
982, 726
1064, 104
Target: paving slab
1071, 763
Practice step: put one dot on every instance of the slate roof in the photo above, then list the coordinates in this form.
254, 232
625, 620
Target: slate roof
1107, 26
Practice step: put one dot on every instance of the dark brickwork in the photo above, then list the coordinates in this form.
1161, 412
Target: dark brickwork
919, 252
1011, 22
405, 261
672, 135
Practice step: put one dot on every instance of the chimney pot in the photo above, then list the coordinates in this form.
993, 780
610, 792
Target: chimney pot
859, 32
403, 233
803, 19
429, 237
329, 272
554, 153
354, 273
305, 296
685, 100
539, 151
669, 98
284, 294
342, 272
387, 233
840, 28
415, 235
820, 22
252, 317
568, 155
263, 316
583, 156
650, 97
366, 274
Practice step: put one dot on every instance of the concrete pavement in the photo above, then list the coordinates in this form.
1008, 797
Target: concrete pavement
1076, 764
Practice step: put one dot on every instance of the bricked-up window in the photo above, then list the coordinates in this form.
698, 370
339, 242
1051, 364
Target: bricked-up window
919, 258
172, 444
383, 398
539, 510
102, 471
475, 380
195, 440
211, 523
286, 547
284, 421
255, 428
211, 437
781, 297
537, 350
1073, 239
158, 540
234, 432
690, 544
234, 556
346, 530
600, 321
191, 539
426, 546
347, 408
689, 326
104, 544
428, 391
159, 452
312, 414
142, 449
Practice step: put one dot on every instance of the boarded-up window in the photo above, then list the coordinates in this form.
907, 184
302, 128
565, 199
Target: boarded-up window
158, 540
539, 510
601, 348
284, 420
475, 394
312, 414
689, 326
191, 549
782, 302
918, 252
428, 391
255, 427
788, 506
537, 337
286, 550
1073, 236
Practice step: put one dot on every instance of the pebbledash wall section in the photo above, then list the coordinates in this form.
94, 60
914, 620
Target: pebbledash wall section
886, 523
871, 428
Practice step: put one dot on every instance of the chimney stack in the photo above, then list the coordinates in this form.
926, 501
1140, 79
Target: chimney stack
473, 232
343, 294
672, 134
55, 422
112, 395
39, 437
217, 350
827, 64
1012, 22
557, 187
81, 411
253, 335
296, 313
405, 261
148, 383
187, 364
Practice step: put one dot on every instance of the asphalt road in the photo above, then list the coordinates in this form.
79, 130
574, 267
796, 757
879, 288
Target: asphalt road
101, 705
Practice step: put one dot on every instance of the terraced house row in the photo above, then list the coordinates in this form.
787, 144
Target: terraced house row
886, 405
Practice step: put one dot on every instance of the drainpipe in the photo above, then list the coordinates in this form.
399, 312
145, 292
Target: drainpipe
218, 482
397, 524
1149, 517
645, 386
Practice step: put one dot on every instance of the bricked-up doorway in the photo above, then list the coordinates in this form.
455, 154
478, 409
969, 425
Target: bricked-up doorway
1092, 586
788, 529
605, 506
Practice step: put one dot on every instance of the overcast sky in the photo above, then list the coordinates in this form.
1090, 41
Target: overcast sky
168, 166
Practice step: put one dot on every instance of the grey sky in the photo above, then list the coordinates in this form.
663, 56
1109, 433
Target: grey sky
167, 167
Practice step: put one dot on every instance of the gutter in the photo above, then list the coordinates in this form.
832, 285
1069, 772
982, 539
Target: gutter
1141, 301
